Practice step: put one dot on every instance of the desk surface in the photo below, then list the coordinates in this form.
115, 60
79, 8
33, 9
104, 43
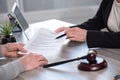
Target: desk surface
69, 71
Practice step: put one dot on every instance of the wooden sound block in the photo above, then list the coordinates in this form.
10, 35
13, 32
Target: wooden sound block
98, 65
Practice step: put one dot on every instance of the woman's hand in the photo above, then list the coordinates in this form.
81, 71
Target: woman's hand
74, 34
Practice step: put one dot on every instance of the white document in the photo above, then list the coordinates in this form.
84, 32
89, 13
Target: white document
45, 43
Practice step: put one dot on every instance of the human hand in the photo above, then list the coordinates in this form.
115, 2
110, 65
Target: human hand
74, 34
11, 49
32, 61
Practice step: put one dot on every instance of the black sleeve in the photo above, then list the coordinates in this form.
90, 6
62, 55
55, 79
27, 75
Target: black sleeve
103, 39
96, 23
96, 38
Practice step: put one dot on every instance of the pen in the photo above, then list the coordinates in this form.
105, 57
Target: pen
63, 34
60, 36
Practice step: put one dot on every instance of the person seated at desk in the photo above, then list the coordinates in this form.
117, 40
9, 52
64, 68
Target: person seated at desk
108, 16
28, 62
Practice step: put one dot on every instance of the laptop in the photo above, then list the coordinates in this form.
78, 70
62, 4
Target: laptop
19, 16
20, 19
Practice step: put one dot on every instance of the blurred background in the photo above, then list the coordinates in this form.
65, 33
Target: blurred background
73, 11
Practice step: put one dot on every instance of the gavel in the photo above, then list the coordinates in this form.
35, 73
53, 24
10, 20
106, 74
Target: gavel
92, 65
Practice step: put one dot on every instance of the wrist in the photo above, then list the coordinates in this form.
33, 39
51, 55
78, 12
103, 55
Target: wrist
18, 66
23, 62
85, 35
3, 50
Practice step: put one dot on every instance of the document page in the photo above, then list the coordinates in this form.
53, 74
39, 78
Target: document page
45, 43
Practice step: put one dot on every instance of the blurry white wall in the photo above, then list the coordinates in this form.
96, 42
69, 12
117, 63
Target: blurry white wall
74, 11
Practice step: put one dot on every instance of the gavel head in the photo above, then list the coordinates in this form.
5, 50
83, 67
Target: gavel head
94, 63
91, 57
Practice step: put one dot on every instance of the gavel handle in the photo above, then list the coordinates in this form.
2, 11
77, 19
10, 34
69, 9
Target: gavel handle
63, 62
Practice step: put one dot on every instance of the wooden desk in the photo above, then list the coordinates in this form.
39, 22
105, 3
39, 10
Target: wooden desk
69, 71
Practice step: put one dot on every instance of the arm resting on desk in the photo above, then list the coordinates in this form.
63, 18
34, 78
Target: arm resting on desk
11, 70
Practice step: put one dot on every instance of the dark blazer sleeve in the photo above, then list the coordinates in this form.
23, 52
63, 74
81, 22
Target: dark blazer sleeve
96, 23
103, 39
97, 38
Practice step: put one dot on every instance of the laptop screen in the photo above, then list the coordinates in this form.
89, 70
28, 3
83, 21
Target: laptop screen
19, 17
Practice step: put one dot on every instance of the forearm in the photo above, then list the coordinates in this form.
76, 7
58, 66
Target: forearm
97, 22
92, 24
103, 39
11, 70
